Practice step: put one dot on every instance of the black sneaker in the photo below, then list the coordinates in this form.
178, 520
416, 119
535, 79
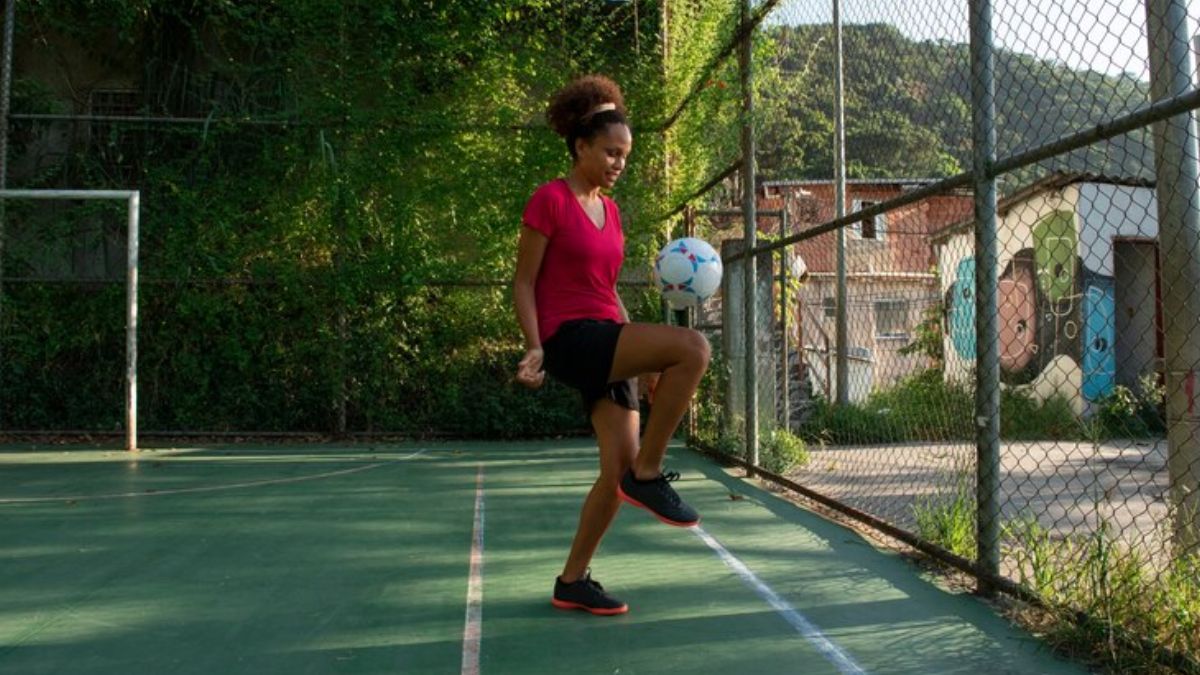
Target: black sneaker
587, 595
659, 498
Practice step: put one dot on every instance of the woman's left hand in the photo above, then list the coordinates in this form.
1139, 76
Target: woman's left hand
529, 370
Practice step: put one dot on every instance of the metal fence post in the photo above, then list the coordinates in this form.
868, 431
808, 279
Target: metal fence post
5, 94
751, 236
785, 418
839, 207
1175, 157
987, 366
690, 321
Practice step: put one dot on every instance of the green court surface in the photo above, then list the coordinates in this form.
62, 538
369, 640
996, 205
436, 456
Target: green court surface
359, 559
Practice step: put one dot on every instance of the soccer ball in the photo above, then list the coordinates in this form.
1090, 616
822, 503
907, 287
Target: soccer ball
687, 271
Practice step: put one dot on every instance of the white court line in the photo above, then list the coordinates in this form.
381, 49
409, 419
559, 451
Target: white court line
207, 488
806, 628
473, 628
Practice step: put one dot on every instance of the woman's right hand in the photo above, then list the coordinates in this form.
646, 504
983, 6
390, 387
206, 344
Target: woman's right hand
529, 370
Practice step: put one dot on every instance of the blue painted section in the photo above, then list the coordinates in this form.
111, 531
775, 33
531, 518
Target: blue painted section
1099, 334
962, 309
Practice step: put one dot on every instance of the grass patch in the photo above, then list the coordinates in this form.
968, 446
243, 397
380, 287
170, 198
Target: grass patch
920, 407
782, 450
924, 407
948, 520
1132, 609
1024, 419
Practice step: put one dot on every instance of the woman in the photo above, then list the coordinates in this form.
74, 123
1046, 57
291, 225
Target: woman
568, 258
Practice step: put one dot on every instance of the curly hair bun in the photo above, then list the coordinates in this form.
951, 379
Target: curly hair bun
573, 102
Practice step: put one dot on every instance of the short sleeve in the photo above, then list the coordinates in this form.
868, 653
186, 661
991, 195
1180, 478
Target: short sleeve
541, 213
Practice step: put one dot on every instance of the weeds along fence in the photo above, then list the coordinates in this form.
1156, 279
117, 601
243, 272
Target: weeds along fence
974, 318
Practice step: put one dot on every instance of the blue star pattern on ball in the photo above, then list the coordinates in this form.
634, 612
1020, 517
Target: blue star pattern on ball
687, 271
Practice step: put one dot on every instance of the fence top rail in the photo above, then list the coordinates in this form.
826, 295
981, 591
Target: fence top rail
731, 213
882, 276
68, 194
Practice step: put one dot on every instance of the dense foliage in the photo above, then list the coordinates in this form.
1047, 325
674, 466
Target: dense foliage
303, 250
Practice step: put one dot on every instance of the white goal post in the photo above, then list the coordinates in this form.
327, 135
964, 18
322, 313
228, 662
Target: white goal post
133, 199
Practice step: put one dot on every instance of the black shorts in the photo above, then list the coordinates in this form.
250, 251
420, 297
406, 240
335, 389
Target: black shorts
580, 355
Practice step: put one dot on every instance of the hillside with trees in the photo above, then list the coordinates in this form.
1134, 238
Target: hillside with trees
908, 107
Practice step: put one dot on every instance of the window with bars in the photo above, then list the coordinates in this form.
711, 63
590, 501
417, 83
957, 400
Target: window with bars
873, 228
891, 318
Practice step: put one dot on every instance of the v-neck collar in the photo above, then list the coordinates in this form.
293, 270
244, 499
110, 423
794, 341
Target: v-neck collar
586, 216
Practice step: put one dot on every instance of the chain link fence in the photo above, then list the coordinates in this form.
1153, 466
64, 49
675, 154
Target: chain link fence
1021, 317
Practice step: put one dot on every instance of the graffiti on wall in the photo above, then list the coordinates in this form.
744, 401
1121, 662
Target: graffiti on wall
1056, 316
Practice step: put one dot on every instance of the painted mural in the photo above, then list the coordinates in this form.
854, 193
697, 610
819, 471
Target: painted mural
1056, 316
960, 309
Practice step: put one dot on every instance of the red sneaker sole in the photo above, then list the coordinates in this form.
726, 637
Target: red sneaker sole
649, 510
562, 604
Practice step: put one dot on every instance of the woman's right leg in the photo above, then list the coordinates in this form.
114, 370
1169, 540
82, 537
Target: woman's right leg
681, 355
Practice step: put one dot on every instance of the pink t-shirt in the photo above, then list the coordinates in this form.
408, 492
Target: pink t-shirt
579, 270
